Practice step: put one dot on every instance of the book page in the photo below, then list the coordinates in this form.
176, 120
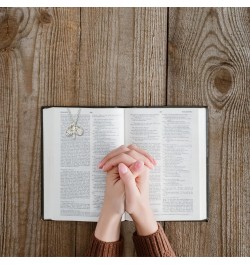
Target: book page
181, 167
143, 128
78, 183
203, 155
171, 136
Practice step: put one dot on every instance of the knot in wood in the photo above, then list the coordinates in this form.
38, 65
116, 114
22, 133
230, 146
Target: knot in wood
8, 31
45, 17
221, 83
223, 80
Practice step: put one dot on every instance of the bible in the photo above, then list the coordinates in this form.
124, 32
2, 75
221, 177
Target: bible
72, 184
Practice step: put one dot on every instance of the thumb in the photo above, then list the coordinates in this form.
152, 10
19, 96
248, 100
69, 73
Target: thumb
128, 179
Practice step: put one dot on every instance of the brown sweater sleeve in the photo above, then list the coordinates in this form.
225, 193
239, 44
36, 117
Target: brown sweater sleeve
98, 248
155, 245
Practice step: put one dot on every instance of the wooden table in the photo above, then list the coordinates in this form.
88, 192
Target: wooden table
129, 57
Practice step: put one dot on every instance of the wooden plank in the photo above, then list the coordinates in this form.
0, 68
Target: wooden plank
150, 53
122, 62
208, 64
106, 57
38, 67
8, 141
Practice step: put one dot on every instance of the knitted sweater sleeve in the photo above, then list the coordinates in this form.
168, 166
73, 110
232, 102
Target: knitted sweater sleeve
98, 248
154, 245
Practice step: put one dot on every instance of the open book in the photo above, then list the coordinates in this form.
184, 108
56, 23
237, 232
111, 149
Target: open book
73, 185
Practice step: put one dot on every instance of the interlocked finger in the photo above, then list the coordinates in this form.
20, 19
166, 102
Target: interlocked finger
121, 158
113, 153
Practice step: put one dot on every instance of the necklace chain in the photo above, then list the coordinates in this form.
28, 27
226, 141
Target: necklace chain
71, 116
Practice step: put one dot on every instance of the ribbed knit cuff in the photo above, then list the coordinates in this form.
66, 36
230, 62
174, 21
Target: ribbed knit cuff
98, 248
155, 245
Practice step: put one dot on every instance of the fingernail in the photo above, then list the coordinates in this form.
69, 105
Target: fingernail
155, 162
122, 168
100, 164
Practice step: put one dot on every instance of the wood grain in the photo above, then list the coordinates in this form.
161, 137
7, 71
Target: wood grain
124, 56
39, 55
8, 142
209, 65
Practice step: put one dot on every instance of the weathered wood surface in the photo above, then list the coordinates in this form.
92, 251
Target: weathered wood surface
209, 65
124, 56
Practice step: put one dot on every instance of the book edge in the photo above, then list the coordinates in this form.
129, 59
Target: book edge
174, 106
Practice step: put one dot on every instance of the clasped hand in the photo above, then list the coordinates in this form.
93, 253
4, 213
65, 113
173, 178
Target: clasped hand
127, 189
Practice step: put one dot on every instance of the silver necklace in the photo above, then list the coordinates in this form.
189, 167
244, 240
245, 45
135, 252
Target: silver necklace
74, 129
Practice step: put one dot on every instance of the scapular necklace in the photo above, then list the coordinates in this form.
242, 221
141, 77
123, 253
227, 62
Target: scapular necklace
74, 129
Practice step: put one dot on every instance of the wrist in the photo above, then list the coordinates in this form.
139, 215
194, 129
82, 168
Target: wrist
144, 220
108, 226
